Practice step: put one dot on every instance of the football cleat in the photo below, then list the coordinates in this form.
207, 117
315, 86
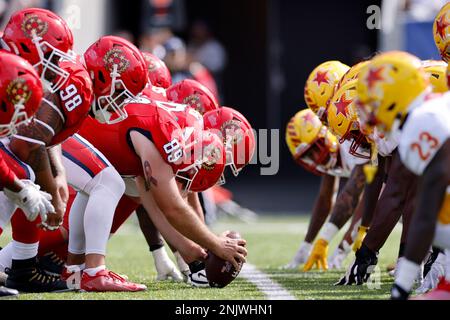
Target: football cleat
361, 268
165, 267
108, 281
7, 292
442, 292
72, 276
398, 293
435, 273
27, 276
300, 257
3, 277
197, 277
51, 264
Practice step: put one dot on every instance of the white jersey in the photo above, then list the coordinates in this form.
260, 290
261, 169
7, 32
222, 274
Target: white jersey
425, 131
385, 145
349, 161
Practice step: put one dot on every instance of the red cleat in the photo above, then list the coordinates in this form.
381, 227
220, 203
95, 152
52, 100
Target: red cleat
108, 281
442, 292
73, 279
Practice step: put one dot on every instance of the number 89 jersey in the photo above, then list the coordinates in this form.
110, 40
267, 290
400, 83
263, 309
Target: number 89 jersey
75, 100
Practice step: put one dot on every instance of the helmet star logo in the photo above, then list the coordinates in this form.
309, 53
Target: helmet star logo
309, 118
374, 76
194, 102
34, 25
342, 106
116, 57
321, 77
441, 25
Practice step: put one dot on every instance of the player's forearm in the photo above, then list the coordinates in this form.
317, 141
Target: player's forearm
55, 158
348, 199
194, 202
372, 193
322, 208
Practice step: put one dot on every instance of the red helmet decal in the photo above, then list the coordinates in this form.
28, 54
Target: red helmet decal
34, 24
18, 91
116, 57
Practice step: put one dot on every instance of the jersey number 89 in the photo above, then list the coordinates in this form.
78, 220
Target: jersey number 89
174, 151
70, 97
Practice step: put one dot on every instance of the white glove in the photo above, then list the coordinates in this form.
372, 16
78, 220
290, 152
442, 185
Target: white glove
300, 257
32, 201
339, 255
165, 267
433, 276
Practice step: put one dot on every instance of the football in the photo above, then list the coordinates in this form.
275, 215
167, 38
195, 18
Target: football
219, 272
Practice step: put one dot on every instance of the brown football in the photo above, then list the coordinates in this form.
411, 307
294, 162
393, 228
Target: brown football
219, 272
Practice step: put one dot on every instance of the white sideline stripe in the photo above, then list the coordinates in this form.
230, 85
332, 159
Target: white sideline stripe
271, 289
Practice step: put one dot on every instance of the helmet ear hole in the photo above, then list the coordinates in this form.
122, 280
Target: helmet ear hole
24, 48
3, 106
101, 78
391, 107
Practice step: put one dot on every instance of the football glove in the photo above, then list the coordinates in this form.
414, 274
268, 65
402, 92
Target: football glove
32, 201
165, 268
362, 231
361, 268
318, 256
300, 257
339, 255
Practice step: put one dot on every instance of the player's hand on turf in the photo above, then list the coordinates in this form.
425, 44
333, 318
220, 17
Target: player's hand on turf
31, 200
318, 256
339, 255
362, 231
232, 250
361, 268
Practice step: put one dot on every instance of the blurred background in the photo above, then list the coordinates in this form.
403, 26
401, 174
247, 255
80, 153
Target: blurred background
255, 55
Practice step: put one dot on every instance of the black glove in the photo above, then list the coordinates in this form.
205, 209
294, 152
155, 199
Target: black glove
360, 270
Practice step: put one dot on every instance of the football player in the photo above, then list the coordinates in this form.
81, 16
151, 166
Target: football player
20, 94
422, 127
315, 148
343, 122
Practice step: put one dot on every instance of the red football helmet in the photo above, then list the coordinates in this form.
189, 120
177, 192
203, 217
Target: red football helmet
43, 39
184, 115
119, 74
20, 92
194, 94
237, 135
204, 160
158, 72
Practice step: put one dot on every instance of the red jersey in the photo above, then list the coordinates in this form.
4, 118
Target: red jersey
75, 100
114, 141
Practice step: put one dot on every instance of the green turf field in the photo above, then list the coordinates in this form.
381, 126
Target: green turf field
272, 241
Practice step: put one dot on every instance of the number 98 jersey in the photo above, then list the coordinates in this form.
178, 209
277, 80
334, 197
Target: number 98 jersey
75, 100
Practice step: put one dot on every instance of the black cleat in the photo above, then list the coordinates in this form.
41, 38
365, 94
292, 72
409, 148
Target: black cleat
28, 276
398, 293
51, 264
8, 293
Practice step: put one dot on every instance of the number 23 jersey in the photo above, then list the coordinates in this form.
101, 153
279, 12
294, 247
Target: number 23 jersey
425, 131
114, 141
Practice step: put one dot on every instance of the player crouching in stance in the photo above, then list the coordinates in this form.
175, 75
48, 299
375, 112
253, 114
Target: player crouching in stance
21, 94
398, 104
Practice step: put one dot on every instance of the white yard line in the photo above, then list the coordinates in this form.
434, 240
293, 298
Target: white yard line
271, 289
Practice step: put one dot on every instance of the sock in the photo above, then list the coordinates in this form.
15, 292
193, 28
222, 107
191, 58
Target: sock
328, 232
75, 268
22, 251
1, 231
50, 241
407, 272
6, 257
93, 271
